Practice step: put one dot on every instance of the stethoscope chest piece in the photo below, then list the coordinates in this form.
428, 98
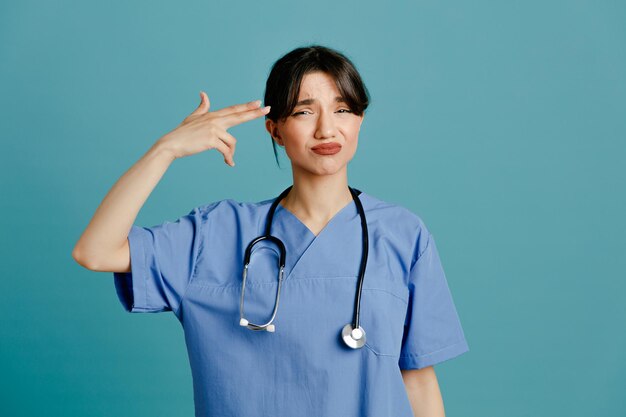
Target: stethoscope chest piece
354, 338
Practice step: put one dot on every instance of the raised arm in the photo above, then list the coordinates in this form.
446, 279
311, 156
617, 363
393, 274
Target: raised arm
103, 246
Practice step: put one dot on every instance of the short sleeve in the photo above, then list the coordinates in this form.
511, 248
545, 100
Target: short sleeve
162, 261
432, 330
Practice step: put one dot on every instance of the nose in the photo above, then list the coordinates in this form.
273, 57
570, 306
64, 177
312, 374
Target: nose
325, 125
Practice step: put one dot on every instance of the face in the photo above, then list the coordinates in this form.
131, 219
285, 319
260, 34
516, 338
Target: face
320, 117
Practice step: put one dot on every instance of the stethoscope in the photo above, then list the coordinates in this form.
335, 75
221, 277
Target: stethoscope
352, 333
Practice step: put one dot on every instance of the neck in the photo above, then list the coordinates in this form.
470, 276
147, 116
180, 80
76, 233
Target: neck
318, 197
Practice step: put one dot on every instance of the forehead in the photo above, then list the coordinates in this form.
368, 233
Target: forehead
317, 83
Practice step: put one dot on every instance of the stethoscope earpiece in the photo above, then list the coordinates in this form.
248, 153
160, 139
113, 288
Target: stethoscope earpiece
267, 327
352, 333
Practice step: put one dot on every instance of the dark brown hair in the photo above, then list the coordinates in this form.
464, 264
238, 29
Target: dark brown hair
283, 83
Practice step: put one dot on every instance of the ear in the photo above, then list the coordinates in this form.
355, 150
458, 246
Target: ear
272, 129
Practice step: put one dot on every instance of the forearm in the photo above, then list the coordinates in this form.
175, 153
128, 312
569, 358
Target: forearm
109, 227
423, 391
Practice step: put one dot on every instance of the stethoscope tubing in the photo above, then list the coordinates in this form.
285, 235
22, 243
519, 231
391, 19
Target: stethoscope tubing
352, 334
357, 304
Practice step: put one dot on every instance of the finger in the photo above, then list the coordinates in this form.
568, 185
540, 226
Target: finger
226, 145
244, 116
228, 138
237, 108
204, 105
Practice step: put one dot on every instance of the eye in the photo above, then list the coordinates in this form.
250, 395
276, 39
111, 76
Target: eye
306, 111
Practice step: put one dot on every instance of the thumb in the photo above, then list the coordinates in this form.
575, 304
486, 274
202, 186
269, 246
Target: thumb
204, 105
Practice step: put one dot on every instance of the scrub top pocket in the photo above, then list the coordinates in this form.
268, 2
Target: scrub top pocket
383, 311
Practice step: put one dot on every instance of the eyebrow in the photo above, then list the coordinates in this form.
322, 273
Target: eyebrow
307, 101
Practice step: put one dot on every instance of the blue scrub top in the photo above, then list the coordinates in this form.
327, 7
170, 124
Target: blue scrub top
193, 267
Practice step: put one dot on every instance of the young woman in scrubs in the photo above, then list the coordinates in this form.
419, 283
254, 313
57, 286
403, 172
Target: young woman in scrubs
315, 102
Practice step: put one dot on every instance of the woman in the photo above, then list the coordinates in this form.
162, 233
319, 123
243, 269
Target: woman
262, 341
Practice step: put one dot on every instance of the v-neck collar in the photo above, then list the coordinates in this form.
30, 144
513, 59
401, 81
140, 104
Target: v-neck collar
337, 214
300, 240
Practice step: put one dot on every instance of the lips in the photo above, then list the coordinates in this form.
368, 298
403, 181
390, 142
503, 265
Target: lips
327, 148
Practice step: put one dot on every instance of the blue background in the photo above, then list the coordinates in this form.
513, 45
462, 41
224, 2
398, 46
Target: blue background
500, 123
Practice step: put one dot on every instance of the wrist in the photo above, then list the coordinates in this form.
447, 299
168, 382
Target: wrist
163, 149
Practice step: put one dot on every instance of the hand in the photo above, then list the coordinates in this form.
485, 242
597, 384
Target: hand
203, 130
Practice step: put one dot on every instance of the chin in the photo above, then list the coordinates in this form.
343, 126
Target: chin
321, 166
329, 169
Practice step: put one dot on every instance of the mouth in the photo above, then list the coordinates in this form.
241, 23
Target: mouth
327, 148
